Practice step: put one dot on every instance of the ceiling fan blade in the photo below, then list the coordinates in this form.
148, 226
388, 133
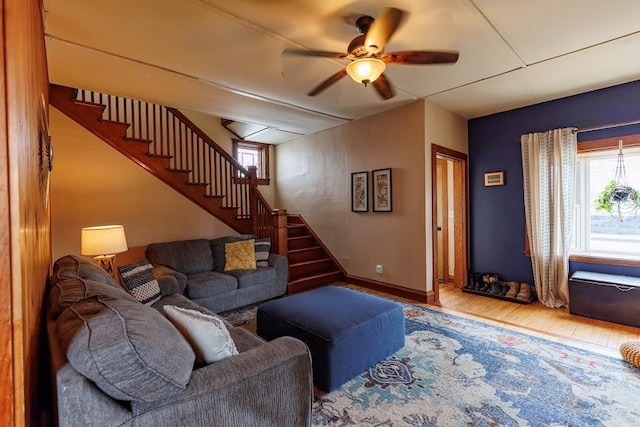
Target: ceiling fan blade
325, 84
417, 57
382, 29
383, 87
316, 53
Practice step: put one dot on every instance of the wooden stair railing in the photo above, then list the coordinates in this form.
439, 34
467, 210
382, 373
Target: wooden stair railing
168, 145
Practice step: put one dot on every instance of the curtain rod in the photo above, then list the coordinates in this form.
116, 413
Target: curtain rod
610, 126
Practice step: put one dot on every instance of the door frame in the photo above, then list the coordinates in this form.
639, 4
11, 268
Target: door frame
460, 203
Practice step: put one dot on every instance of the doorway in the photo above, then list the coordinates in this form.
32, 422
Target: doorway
449, 217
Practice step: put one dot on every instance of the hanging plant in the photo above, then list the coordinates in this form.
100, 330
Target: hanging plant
614, 197
617, 198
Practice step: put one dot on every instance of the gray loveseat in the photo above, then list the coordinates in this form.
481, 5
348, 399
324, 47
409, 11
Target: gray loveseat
117, 362
197, 269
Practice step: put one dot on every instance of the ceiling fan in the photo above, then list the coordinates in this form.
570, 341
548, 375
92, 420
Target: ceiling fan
368, 61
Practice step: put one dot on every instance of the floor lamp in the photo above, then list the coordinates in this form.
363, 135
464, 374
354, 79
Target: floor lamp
103, 243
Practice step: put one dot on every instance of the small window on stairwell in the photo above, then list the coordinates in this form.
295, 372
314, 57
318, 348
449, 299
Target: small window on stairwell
253, 154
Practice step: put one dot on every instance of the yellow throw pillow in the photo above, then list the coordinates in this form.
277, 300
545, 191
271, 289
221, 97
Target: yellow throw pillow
240, 255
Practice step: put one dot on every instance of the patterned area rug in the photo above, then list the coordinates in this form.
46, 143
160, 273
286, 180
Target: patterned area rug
454, 371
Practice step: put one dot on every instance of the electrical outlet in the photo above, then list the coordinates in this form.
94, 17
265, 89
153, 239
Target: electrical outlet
379, 269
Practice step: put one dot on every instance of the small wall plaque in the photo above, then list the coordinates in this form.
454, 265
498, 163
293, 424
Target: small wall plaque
493, 178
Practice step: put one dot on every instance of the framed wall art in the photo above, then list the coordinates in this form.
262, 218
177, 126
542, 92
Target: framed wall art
360, 191
493, 178
382, 200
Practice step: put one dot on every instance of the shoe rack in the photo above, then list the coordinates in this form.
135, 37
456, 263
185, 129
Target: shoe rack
489, 285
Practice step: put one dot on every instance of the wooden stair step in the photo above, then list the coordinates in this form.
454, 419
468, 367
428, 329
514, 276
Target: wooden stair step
294, 219
306, 254
307, 268
310, 282
301, 242
297, 230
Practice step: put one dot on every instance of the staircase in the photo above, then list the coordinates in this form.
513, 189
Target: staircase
310, 263
168, 145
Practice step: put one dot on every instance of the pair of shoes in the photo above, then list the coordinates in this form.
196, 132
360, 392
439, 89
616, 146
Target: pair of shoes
525, 292
514, 288
496, 288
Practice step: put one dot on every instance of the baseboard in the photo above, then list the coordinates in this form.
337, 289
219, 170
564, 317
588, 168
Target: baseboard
395, 290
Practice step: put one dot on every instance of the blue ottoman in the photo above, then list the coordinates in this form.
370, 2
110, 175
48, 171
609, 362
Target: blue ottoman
347, 331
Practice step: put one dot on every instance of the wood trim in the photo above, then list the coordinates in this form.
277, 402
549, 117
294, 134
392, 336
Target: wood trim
604, 260
443, 209
7, 399
608, 143
460, 227
398, 291
264, 152
437, 150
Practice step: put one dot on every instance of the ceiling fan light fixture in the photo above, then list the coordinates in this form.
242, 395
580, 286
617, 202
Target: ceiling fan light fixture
366, 70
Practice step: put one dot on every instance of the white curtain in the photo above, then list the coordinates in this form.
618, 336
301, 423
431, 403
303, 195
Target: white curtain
548, 163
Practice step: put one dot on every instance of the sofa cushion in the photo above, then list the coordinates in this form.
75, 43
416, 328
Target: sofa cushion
185, 256
139, 281
130, 351
209, 283
67, 292
240, 255
206, 333
248, 278
74, 266
262, 249
217, 248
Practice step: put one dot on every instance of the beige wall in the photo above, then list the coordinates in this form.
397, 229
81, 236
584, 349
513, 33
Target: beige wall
448, 130
93, 184
314, 175
313, 178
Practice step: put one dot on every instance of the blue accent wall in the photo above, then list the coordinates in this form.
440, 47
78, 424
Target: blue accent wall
497, 224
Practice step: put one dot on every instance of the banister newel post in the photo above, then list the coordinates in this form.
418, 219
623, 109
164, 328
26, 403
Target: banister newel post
280, 245
253, 198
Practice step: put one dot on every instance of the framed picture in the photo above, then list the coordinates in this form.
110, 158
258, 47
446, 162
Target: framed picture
493, 178
360, 191
382, 190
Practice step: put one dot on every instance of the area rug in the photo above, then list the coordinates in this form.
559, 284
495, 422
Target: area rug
456, 371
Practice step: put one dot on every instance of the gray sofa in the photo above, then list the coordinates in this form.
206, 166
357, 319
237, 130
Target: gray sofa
117, 362
196, 268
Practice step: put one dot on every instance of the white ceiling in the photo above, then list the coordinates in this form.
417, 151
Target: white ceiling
224, 57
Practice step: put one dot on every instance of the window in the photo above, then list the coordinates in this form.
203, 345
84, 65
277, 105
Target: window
253, 154
598, 234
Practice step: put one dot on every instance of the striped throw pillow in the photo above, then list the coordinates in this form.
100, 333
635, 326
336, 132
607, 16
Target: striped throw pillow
139, 282
263, 247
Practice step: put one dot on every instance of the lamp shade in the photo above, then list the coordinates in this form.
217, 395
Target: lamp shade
103, 240
365, 70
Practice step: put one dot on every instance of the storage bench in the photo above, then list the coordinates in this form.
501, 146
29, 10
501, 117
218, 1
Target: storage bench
607, 297
347, 331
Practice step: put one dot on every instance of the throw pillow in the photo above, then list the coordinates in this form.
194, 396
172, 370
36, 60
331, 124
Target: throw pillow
130, 351
207, 334
240, 255
139, 282
263, 247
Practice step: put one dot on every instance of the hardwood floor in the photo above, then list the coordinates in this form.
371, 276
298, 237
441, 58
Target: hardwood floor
596, 335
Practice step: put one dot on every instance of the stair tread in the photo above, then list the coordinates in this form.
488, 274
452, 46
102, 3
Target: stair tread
300, 237
164, 156
315, 276
310, 262
179, 170
310, 248
142, 140
295, 225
